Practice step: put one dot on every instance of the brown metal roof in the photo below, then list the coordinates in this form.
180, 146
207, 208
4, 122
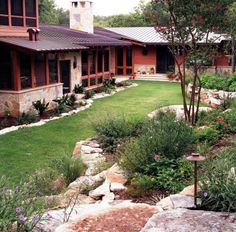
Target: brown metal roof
62, 38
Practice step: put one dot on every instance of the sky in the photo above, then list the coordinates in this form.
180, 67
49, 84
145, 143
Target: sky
106, 7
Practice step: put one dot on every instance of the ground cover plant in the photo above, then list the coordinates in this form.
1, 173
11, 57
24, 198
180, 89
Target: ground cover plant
24, 151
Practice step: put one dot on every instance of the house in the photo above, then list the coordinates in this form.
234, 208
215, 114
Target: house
46, 61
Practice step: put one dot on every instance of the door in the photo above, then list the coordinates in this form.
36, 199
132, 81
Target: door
165, 60
65, 75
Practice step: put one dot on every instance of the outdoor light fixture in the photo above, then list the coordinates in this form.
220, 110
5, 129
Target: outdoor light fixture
195, 157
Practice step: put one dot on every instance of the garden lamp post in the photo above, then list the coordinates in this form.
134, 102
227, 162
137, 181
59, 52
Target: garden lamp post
195, 157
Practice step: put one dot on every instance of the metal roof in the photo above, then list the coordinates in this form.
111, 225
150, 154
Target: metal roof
62, 38
149, 35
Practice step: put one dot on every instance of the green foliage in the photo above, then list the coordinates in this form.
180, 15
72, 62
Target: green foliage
40, 106
207, 135
18, 205
113, 131
141, 184
63, 103
109, 85
26, 118
42, 181
171, 137
124, 83
78, 89
218, 189
70, 168
89, 94
212, 81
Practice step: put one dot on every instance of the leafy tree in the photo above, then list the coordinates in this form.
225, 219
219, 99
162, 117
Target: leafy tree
189, 32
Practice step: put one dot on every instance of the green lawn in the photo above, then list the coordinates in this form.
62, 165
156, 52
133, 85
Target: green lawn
25, 150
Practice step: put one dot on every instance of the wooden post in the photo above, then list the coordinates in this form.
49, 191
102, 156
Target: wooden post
16, 71
47, 70
58, 69
9, 12
88, 62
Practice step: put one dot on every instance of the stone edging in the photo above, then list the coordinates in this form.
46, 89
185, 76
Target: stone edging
88, 105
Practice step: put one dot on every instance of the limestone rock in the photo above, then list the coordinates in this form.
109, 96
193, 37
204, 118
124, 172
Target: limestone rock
181, 201
115, 175
183, 220
77, 149
108, 197
101, 191
189, 190
117, 187
165, 204
89, 150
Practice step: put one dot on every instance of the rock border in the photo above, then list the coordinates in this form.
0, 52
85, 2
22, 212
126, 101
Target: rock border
89, 103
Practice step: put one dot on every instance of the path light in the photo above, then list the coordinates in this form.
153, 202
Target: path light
195, 157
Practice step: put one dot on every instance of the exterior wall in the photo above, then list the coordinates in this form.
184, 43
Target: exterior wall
75, 77
81, 16
18, 102
144, 63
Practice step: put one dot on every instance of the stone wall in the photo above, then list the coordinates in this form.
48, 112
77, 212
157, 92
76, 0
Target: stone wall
75, 77
141, 68
18, 102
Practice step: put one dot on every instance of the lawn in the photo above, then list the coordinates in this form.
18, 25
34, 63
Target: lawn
28, 149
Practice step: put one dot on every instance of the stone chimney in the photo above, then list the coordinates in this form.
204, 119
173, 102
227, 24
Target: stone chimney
81, 16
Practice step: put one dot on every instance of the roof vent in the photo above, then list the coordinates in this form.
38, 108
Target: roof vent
33, 34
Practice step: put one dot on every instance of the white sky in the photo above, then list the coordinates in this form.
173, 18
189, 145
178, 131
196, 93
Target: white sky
106, 7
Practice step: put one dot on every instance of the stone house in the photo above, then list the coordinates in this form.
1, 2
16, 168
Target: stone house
46, 61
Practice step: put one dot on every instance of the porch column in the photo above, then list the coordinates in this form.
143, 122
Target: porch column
16, 71
47, 70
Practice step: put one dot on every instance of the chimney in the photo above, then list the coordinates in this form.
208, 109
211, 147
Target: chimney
81, 16
33, 34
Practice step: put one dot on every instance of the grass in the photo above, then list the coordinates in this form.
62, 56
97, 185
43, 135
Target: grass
28, 149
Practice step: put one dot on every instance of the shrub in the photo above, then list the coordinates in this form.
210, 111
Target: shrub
124, 83
19, 209
72, 100
40, 106
43, 182
112, 131
212, 81
63, 103
172, 137
109, 85
218, 189
207, 135
26, 118
71, 169
141, 184
78, 89
89, 94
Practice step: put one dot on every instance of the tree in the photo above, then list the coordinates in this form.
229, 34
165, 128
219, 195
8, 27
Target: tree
189, 32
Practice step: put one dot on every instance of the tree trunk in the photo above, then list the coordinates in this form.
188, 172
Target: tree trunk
233, 54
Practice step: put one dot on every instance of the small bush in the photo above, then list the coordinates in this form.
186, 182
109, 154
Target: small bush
26, 118
113, 131
141, 185
218, 189
207, 135
124, 83
78, 89
89, 94
64, 103
18, 207
212, 81
40, 106
71, 169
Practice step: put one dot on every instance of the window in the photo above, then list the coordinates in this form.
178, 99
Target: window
17, 17
99, 61
85, 83
25, 71
6, 75
16, 7
129, 57
120, 57
52, 63
92, 81
84, 63
4, 7
92, 60
106, 60
75, 4
40, 71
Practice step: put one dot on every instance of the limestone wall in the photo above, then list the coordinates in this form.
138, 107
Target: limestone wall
148, 69
18, 102
75, 72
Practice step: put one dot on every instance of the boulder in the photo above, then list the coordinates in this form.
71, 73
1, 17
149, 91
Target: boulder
89, 150
117, 187
77, 149
115, 175
108, 197
189, 190
101, 191
165, 204
182, 201
190, 220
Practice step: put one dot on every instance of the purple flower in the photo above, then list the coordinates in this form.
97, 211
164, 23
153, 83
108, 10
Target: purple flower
205, 194
16, 190
36, 218
49, 216
18, 210
21, 217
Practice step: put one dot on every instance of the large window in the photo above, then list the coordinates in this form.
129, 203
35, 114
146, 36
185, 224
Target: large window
99, 61
124, 63
25, 71
18, 7
84, 63
53, 72
92, 62
106, 61
6, 74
